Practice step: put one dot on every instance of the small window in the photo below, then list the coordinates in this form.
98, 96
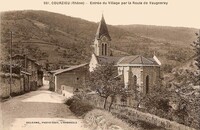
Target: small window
77, 78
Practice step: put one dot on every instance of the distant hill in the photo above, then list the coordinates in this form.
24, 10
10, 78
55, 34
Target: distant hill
172, 44
178, 35
63, 40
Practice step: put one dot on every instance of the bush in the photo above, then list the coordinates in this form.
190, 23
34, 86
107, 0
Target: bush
71, 100
78, 106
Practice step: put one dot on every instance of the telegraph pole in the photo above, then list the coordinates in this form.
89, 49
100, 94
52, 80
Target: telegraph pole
10, 63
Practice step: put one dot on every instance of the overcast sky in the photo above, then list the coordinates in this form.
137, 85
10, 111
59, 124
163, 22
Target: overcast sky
184, 13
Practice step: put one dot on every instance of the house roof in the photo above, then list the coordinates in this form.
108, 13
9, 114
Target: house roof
137, 61
102, 29
59, 71
107, 59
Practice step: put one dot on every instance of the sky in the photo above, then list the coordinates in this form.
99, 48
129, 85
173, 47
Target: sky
181, 13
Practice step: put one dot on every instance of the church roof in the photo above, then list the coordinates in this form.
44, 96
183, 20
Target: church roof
107, 59
102, 29
137, 61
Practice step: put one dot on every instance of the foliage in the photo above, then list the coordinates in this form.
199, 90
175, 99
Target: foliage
173, 105
197, 50
71, 100
103, 80
6, 68
79, 107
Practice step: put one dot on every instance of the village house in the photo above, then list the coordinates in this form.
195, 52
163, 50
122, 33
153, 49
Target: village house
138, 73
31, 71
68, 80
27, 75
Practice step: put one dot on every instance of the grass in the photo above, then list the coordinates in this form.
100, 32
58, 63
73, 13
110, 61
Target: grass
78, 106
103, 119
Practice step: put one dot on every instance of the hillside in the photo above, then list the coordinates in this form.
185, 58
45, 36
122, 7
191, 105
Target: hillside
172, 44
179, 35
54, 37
59, 39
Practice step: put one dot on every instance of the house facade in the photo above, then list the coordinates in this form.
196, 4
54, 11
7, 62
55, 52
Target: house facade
71, 79
31, 71
138, 73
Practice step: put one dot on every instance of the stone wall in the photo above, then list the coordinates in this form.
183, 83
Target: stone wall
74, 79
154, 78
133, 114
153, 119
141, 74
5, 90
51, 82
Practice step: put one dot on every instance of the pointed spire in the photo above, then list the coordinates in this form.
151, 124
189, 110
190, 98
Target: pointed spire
102, 29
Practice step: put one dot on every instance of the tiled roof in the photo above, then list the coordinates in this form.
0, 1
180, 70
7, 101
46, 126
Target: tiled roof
102, 29
107, 59
59, 71
137, 60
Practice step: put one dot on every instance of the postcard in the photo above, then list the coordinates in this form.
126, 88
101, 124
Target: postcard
99, 65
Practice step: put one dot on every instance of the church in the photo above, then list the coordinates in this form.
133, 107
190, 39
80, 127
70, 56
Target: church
139, 73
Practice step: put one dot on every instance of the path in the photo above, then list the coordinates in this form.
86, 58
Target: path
41, 109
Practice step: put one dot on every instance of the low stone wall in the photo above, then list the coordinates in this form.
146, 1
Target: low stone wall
5, 89
133, 114
101, 120
153, 119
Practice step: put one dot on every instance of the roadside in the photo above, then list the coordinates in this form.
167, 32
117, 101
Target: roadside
39, 109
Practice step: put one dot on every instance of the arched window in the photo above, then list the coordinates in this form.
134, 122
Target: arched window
147, 84
135, 80
105, 49
102, 49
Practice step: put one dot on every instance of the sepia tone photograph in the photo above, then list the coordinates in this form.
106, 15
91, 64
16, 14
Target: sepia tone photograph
99, 65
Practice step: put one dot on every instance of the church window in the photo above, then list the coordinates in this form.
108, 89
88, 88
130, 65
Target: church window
105, 49
135, 80
102, 49
147, 84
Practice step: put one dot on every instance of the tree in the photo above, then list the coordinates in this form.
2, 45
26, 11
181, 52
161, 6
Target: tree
197, 49
116, 87
103, 81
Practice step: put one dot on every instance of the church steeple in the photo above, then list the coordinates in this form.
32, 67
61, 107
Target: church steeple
102, 29
102, 39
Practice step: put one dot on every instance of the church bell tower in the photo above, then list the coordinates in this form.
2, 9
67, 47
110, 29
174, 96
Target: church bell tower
102, 40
